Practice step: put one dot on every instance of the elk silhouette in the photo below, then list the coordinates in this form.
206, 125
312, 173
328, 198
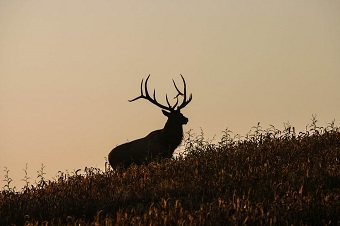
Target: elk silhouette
159, 143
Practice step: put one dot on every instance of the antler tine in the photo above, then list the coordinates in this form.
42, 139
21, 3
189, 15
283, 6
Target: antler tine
176, 103
179, 92
154, 96
146, 88
185, 101
167, 100
141, 90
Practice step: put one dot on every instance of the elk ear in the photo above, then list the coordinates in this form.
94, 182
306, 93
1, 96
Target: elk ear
167, 114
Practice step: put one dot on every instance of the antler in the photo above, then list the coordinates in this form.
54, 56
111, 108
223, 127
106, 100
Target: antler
184, 94
153, 100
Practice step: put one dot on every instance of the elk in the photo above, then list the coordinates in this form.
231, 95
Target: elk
159, 143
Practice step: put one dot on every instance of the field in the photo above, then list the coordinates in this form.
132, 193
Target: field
268, 177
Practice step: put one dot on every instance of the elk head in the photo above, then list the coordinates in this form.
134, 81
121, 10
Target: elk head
174, 114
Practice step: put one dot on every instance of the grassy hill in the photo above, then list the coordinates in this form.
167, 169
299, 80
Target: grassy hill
268, 177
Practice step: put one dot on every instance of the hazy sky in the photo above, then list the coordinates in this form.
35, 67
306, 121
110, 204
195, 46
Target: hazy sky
67, 69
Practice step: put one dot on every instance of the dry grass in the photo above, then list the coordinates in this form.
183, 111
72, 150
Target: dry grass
270, 177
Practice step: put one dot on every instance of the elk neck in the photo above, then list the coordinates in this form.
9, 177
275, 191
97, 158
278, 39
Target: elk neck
172, 133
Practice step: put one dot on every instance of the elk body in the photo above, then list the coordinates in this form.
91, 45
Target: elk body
159, 143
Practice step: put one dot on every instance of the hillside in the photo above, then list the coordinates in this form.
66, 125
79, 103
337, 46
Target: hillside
267, 177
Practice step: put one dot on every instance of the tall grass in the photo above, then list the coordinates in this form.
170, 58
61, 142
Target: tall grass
269, 177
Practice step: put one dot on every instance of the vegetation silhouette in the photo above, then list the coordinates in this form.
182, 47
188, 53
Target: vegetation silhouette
268, 177
159, 143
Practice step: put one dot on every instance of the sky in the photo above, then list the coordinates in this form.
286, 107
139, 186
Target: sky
67, 69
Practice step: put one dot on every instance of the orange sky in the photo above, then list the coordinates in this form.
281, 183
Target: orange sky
67, 69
